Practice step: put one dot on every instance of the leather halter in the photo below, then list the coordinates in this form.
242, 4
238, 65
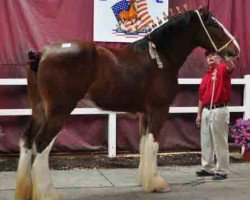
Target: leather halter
232, 39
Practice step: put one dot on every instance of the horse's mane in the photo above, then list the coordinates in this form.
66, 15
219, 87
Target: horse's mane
165, 33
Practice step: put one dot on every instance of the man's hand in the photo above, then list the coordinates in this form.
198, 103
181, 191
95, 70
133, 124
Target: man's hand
230, 65
198, 121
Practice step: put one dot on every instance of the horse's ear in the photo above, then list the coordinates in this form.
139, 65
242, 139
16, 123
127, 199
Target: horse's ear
203, 9
204, 12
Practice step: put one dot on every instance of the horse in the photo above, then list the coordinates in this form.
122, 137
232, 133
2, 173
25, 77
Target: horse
129, 14
141, 78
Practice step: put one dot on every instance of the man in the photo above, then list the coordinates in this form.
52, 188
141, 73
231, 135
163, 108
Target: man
213, 116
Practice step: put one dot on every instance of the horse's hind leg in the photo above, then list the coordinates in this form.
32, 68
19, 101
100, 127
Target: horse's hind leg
24, 184
56, 115
23, 189
42, 183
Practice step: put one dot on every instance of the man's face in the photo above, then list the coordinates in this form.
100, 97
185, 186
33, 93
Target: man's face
213, 59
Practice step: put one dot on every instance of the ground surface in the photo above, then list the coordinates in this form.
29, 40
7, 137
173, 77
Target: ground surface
60, 162
122, 184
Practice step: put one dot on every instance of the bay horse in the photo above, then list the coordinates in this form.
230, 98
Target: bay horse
127, 80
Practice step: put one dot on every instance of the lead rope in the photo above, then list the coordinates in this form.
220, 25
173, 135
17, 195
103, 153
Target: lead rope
214, 77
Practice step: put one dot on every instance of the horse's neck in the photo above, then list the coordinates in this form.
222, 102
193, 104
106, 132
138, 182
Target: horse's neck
172, 56
173, 44
177, 56
177, 52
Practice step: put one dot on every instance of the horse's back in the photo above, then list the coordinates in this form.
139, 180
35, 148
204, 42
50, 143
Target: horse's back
68, 50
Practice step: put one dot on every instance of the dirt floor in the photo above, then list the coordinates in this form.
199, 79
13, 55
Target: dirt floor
80, 161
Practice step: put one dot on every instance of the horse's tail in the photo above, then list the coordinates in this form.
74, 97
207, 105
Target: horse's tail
34, 58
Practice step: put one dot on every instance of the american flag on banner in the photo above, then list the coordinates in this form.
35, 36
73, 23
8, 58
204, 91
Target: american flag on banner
126, 20
120, 6
143, 17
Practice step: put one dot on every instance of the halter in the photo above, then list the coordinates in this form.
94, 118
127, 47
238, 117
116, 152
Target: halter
154, 54
232, 39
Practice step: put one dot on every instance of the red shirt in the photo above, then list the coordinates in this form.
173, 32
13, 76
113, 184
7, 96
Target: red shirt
222, 87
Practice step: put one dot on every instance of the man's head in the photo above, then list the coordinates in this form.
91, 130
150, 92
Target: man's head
213, 57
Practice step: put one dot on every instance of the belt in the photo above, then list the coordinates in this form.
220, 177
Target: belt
216, 106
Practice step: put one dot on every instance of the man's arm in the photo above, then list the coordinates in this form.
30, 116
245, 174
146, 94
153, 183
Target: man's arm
198, 118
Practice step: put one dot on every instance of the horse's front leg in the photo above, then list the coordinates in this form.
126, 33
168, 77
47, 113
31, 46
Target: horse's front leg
143, 130
149, 177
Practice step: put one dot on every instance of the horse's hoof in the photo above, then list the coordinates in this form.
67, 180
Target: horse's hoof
160, 184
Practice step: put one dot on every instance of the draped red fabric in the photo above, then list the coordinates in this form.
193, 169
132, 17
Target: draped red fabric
29, 24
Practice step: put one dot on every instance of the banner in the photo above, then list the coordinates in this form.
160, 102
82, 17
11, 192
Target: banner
126, 20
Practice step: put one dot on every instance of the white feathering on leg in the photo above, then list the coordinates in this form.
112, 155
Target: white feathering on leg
142, 158
23, 188
150, 178
148, 166
43, 188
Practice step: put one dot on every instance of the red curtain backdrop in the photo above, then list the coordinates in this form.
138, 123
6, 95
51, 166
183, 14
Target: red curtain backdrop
29, 24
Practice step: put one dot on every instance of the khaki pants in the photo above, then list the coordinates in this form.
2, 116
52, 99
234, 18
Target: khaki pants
214, 139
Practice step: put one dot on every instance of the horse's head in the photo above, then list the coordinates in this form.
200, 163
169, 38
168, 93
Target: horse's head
214, 36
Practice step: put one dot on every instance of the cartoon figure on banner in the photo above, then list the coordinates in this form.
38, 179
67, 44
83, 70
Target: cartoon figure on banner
132, 17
